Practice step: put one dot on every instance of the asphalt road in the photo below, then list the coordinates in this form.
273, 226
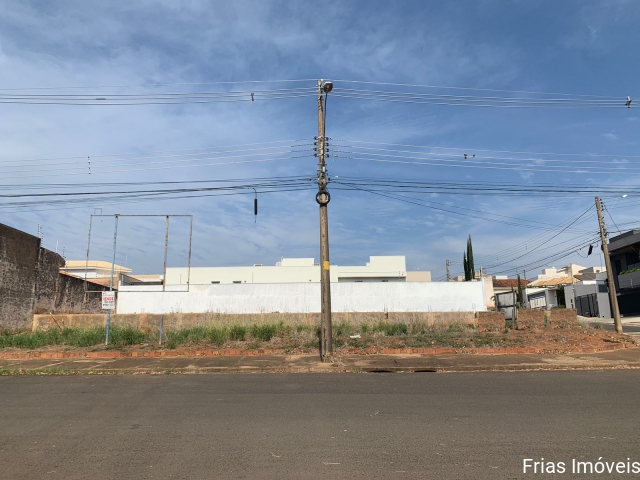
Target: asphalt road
422, 425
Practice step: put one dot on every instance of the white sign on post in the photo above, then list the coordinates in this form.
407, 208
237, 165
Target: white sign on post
109, 300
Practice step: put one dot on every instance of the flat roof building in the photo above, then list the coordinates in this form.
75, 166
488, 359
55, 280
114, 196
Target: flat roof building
298, 270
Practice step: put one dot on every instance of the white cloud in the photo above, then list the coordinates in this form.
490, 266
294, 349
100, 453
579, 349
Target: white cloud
92, 43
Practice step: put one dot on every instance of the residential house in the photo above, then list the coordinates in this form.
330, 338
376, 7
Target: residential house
590, 297
624, 252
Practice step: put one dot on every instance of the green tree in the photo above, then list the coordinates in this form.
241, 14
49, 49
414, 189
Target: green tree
466, 266
469, 268
520, 293
562, 301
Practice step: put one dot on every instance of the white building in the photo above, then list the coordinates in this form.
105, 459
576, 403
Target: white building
563, 276
298, 270
92, 269
99, 271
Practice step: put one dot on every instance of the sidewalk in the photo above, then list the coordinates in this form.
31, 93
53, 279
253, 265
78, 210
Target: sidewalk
627, 358
630, 325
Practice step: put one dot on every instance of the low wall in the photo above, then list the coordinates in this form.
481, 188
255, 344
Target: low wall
530, 319
305, 297
186, 320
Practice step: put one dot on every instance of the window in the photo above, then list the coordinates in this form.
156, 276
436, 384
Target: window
237, 281
215, 281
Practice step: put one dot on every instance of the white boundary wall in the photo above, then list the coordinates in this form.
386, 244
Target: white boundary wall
305, 298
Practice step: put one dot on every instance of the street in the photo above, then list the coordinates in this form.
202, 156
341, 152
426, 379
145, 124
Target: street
377, 425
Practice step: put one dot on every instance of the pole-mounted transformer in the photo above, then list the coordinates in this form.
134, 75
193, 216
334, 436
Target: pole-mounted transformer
255, 207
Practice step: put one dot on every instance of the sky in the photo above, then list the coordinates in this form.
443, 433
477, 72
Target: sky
584, 50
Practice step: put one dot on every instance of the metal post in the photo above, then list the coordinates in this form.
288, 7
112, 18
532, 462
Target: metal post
323, 197
86, 265
514, 315
166, 249
113, 264
448, 275
613, 298
189, 260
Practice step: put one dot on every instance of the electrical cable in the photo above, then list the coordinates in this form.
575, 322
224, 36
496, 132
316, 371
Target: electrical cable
162, 84
472, 88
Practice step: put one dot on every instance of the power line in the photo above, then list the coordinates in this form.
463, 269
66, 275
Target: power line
430, 205
466, 149
479, 165
163, 168
138, 195
162, 84
155, 98
463, 153
472, 88
477, 98
484, 188
551, 258
535, 243
87, 166
543, 243
481, 102
294, 141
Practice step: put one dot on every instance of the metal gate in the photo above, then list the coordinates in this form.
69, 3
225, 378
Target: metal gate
587, 305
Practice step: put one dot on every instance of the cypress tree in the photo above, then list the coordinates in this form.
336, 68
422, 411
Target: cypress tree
466, 266
520, 299
470, 265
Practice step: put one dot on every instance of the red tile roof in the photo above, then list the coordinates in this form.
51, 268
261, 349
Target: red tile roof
510, 282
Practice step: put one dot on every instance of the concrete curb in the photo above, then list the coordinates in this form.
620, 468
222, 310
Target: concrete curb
404, 363
499, 368
337, 369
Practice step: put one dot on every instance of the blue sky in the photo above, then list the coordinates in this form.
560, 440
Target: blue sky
571, 47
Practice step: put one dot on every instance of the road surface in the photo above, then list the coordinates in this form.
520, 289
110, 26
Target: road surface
421, 425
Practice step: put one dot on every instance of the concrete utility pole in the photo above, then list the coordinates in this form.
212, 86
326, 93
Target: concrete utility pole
607, 261
448, 275
323, 198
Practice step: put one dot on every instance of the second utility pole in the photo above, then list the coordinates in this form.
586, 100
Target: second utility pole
607, 261
323, 198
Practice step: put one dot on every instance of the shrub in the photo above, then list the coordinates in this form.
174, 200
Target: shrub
390, 329
77, 337
267, 331
187, 335
217, 335
238, 333
120, 336
342, 328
